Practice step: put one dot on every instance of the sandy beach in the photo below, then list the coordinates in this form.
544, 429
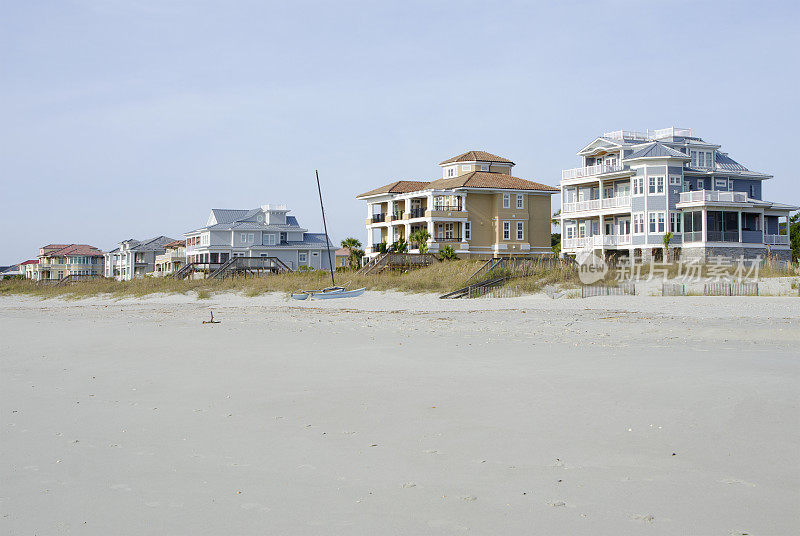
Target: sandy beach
400, 414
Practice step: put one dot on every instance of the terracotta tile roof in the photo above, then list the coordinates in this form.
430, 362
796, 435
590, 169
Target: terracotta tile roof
399, 187
480, 156
32, 261
75, 249
486, 179
175, 244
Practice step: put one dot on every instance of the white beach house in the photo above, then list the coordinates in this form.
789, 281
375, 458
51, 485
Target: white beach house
266, 231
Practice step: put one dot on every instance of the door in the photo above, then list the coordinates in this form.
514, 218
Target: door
624, 226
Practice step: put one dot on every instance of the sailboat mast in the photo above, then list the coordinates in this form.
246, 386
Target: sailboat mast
325, 226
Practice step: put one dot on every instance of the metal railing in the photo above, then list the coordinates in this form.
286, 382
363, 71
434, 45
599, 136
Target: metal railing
446, 239
447, 207
590, 171
378, 218
417, 213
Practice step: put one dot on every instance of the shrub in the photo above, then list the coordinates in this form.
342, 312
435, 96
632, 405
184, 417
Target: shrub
447, 253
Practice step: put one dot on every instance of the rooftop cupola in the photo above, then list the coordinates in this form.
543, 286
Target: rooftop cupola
475, 161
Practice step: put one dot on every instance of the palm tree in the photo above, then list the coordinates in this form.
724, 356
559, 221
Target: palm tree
353, 245
667, 240
555, 219
420, 238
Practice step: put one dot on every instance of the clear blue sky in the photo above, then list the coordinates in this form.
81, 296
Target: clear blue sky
133, 118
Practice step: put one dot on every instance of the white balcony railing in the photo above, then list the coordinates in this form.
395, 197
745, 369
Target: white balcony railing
701, 196
617, 202
595, 204
597, 241
581, 206
590, 171
774, 240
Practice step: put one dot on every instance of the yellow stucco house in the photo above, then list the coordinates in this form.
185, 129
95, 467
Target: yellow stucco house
477, 207
57, 261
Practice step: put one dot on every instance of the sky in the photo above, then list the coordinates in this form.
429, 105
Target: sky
133, 118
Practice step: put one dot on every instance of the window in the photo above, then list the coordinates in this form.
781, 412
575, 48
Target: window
753, 191
675, 180
657, 223
243, 238
269, 239
506, 230
467, 230
303, 257
520, 230
720, 184
638, 185
466, 168
506, 200
687, 186
656, 185
730, 185
484, 167
251, 238
451, 171
570, 232
520, 201
581, 230
675, 222
448, 230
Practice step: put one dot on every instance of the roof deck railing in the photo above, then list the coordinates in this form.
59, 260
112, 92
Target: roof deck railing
649, 135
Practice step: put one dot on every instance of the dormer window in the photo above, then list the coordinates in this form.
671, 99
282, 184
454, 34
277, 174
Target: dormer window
484, 167
466, 168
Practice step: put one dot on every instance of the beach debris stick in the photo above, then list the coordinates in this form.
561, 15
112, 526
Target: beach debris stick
212, 321
325, 226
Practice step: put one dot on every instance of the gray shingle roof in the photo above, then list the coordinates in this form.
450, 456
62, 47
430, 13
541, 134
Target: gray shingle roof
152, 244
657, 150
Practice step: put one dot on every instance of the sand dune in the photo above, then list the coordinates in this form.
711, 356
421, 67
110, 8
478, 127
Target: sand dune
400, 414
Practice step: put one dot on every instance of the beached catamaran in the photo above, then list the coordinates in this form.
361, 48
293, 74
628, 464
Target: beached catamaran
333, 291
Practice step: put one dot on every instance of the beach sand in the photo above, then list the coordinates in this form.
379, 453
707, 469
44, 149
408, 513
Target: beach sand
400, 414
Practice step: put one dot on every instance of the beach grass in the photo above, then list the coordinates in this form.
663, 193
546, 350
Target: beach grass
439, 278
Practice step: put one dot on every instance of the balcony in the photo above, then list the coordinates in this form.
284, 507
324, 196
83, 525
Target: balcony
455, 208
596, 204
378, 218
417, 213
713, 196
591, 171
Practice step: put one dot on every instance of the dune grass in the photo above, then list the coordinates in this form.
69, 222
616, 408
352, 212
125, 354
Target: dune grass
438, 278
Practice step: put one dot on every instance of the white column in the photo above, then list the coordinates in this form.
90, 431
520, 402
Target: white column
763, 228
704, 225
602, 231
740, 225
407, 208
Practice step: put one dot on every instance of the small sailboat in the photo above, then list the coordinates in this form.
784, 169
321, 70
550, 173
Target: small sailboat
333, 291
